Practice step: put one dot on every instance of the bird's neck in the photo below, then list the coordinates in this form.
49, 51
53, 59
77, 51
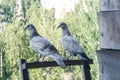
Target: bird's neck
66, 32
33, 33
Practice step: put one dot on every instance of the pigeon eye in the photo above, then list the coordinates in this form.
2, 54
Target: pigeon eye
28, 26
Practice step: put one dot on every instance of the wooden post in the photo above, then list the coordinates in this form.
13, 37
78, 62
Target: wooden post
23, 69
109, 28
109, 64
109, 5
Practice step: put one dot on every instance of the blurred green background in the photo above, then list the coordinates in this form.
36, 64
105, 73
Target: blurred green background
14, 42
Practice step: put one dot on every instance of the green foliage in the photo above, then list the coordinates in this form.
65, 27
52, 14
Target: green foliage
14, 41
7, 8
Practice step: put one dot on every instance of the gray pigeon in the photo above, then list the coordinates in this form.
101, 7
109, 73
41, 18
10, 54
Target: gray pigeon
70, 44
43, 47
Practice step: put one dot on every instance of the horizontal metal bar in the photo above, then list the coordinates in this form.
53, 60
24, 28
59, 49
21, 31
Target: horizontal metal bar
54, 64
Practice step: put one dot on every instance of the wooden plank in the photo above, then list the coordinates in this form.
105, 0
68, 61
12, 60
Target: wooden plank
23, 70
109, 5
109, 64
109, 27
54, 64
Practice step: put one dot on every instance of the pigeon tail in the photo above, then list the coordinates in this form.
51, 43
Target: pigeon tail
58, 59
61, 63
82, 56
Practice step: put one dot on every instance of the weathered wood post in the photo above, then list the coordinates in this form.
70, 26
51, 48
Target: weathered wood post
109, 28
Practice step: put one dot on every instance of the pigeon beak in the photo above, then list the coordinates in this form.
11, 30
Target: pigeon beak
25, 28
58, 27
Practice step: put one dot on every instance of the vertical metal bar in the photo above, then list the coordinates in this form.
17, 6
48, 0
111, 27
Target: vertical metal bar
85, 71
23, 70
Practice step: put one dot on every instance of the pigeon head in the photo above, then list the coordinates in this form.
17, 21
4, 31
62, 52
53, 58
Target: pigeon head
32, 30
65, 30
62, 25
29, 27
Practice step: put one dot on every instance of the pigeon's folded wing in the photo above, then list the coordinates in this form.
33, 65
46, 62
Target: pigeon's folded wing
39, 43
71, 44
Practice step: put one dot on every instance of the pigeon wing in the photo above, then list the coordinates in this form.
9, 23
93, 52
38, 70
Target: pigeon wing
71, 44
39, 43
